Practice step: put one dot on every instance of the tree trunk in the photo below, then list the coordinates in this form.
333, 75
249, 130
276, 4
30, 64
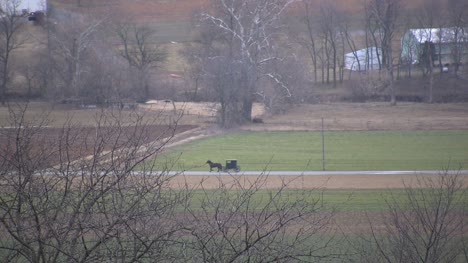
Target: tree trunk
390, 76
247, 110
431, 77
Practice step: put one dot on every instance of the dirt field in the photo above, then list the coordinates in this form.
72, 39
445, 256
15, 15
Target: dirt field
338, 116
182, 10
48, 145
370, 116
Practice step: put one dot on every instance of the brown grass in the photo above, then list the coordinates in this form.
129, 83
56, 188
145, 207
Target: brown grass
370, 116
182, 10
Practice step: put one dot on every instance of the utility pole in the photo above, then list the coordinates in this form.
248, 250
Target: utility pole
323, 147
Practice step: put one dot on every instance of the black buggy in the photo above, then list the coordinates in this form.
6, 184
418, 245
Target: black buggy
231, 165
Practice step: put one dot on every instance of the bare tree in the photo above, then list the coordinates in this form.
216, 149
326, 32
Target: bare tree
431, 17
458, 17
71, 44
428, 225
373, 33
384, 14
71, 193
248, 31
330, 25
11, 24
141, 52
346, 32
309, 39
197, 53
239, 222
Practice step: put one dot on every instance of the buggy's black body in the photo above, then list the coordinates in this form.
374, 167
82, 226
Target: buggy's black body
231, 165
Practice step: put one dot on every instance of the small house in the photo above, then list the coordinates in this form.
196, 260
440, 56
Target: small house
364, 59
450, 45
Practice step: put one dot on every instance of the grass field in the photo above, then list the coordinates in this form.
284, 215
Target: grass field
300, 151
342, 200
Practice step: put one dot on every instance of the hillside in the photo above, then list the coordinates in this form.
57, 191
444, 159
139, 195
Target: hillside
139, 10
182, 10
172, 22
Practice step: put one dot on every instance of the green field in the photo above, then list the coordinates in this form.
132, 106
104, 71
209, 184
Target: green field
302, 151
342, 200
339, 200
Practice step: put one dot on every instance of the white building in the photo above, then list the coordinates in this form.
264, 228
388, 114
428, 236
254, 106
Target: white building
447, 43
364, 59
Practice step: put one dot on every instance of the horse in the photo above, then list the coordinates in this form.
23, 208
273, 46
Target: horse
214, 165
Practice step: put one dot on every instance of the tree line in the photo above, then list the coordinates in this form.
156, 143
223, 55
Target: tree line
77, 57
243, 51
257, 50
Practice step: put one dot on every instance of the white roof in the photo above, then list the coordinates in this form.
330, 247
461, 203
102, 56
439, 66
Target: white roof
439, 35
364, 52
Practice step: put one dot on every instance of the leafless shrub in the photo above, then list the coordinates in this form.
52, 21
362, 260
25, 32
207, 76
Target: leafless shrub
239, 222
364, 89
428, 226
72, 195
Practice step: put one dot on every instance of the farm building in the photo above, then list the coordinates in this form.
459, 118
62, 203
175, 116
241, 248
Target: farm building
364, 59
450, 45
23, 6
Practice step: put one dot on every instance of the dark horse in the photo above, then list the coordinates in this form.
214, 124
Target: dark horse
214, 165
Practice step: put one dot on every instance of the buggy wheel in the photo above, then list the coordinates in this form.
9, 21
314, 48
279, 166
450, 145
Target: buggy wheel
237, 169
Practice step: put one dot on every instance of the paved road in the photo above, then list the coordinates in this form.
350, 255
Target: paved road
314, 173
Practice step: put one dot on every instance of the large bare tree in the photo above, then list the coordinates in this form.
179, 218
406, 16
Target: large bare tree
142, 53
458, 20
383, 16
11, 24
309, 40
72, 43
329, 33
248, 32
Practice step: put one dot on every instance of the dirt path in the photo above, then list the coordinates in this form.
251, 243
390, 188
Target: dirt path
362, 182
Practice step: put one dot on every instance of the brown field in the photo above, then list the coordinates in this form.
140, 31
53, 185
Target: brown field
370, 116
183, 10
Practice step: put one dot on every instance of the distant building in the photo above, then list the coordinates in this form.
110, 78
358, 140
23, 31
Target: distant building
364, 59
33, 10
450, 45
23, 6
